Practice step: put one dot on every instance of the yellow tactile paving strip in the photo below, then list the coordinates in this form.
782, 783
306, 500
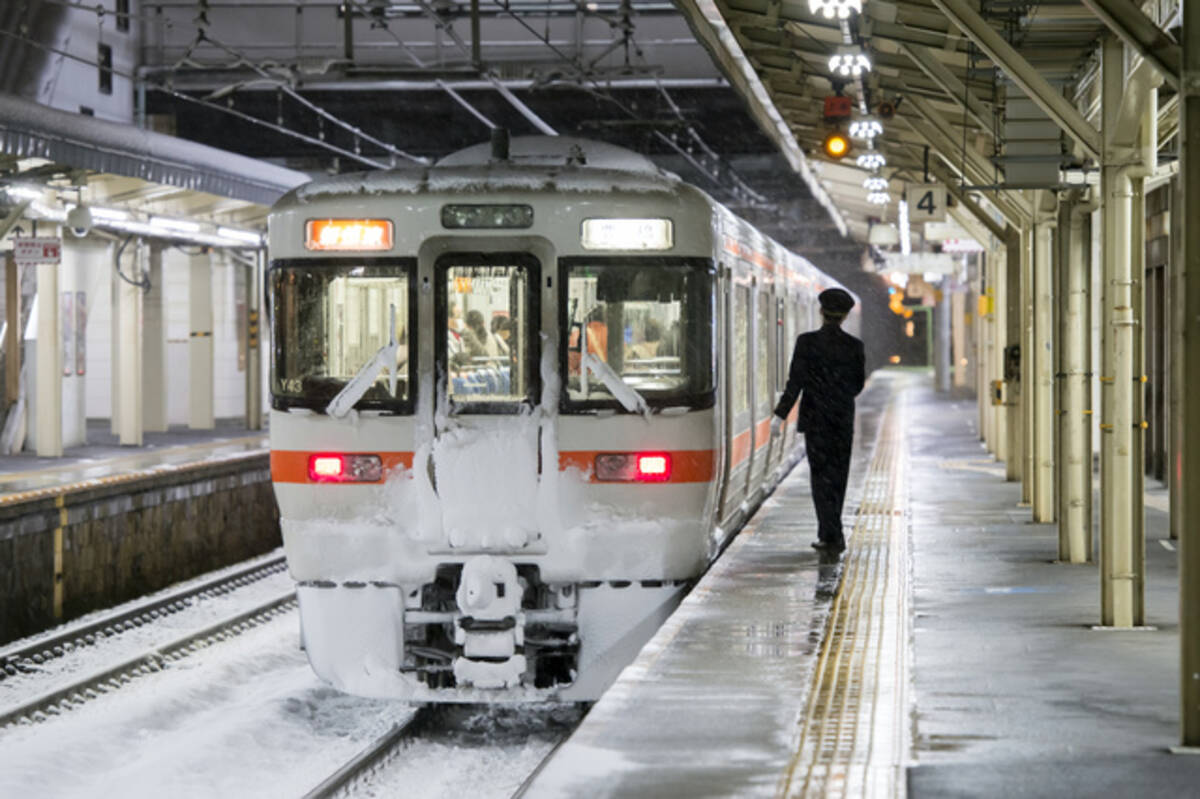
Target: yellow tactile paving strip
854, 738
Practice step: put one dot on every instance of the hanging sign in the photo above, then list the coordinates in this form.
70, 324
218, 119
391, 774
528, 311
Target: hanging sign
28, 250
926, 202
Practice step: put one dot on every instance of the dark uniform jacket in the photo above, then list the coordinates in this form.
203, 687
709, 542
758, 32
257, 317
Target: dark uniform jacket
828, 366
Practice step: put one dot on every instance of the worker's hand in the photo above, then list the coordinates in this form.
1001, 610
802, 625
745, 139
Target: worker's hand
776, 425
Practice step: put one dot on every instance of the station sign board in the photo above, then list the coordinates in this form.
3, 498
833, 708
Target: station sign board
28, 250
926, 202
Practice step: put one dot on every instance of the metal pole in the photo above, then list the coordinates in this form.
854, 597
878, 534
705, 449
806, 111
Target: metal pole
1120, 584
1175, 352
999, 283
12, 337
348, 30
1074, 464
1014, 462
1042, 401
476, 58
254, 383
1189, 485
941, 320
1028, 390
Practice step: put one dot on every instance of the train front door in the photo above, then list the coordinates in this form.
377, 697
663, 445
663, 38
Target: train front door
485, 454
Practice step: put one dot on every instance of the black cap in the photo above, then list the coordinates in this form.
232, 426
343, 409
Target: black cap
835, 301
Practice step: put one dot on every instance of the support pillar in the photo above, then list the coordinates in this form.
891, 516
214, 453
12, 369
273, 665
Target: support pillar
254, 381
958, 336
12, 333
200, 343
154, 346
941, 338
1042, 360
1122, 584
1014, 463
999, 286
1074, 463
1028, 392
48, 386
1188, 484
127, 371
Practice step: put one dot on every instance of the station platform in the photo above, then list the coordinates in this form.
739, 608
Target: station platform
945, 654
103, 458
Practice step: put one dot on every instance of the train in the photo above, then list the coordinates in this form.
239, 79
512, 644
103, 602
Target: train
520, 401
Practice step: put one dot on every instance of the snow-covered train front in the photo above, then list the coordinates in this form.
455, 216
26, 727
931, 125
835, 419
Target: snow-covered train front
518, 404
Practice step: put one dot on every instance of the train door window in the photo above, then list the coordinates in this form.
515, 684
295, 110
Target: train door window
487, 327
762, 347
741, 349
783, 341
640, 324
332, 320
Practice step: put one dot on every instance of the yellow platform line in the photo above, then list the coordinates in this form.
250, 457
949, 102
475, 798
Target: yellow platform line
854, 737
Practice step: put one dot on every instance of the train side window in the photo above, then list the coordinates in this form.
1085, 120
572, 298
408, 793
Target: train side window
642, 324
741, 349
489, 322
331, 320
762, 360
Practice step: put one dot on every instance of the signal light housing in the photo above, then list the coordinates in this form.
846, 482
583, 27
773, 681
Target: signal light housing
633, 467
836, 146
345, 468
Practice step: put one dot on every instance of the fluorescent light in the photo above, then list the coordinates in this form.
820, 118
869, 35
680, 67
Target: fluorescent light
905, 233
878, 198
627, 234
25, 192
108, 214
248, 236
849, 64
180, 225
871, 160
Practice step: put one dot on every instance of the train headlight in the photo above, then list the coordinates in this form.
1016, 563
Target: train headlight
338, 468
627, 234
633, 467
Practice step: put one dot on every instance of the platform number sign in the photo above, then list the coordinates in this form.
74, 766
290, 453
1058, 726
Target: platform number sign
926, 202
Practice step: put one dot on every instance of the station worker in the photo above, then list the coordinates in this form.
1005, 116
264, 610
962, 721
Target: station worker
827, 373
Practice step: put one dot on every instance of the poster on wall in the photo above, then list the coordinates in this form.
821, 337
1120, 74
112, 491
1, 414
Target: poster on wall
80, 331
67, 320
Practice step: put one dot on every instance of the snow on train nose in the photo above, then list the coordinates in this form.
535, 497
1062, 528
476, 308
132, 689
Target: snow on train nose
491, 626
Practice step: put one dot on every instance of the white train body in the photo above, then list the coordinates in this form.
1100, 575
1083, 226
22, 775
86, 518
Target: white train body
512, 521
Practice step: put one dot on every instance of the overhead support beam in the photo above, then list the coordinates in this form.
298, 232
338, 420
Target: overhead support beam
1038, 89
1137, 30
940, 74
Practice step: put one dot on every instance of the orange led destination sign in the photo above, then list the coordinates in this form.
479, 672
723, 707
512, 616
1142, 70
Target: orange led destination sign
348, 234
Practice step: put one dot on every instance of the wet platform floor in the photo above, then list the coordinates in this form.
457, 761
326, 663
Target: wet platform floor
945, 655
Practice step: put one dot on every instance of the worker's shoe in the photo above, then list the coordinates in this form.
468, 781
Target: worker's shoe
831, 547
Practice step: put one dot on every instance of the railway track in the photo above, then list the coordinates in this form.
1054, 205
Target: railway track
373, 757
29, 656
111, 678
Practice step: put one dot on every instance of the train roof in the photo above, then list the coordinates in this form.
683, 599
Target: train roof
535, 164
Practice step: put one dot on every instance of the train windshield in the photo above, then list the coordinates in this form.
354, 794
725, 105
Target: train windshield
331, 319
640, 324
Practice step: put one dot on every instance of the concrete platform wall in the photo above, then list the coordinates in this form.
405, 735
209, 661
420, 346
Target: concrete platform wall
125, 537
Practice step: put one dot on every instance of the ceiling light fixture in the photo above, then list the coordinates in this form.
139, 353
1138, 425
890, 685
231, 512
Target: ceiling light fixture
865, 128
835, 8
849, 62
875, 183
879, 198
871, 160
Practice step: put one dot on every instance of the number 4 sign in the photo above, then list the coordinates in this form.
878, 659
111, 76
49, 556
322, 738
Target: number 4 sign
926, 202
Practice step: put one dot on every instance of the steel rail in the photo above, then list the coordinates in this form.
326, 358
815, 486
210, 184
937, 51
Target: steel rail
25, 657
81, 691
374, 756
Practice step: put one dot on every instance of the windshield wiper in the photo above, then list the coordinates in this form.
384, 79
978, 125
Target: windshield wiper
624, 393
364, 378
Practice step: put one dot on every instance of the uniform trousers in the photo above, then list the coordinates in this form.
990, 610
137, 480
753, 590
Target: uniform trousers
828, 451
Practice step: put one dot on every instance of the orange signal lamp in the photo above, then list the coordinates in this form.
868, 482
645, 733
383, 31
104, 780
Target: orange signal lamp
837, 146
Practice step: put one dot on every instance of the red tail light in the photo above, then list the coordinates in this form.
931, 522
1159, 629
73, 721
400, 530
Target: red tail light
633, 467
351, 468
